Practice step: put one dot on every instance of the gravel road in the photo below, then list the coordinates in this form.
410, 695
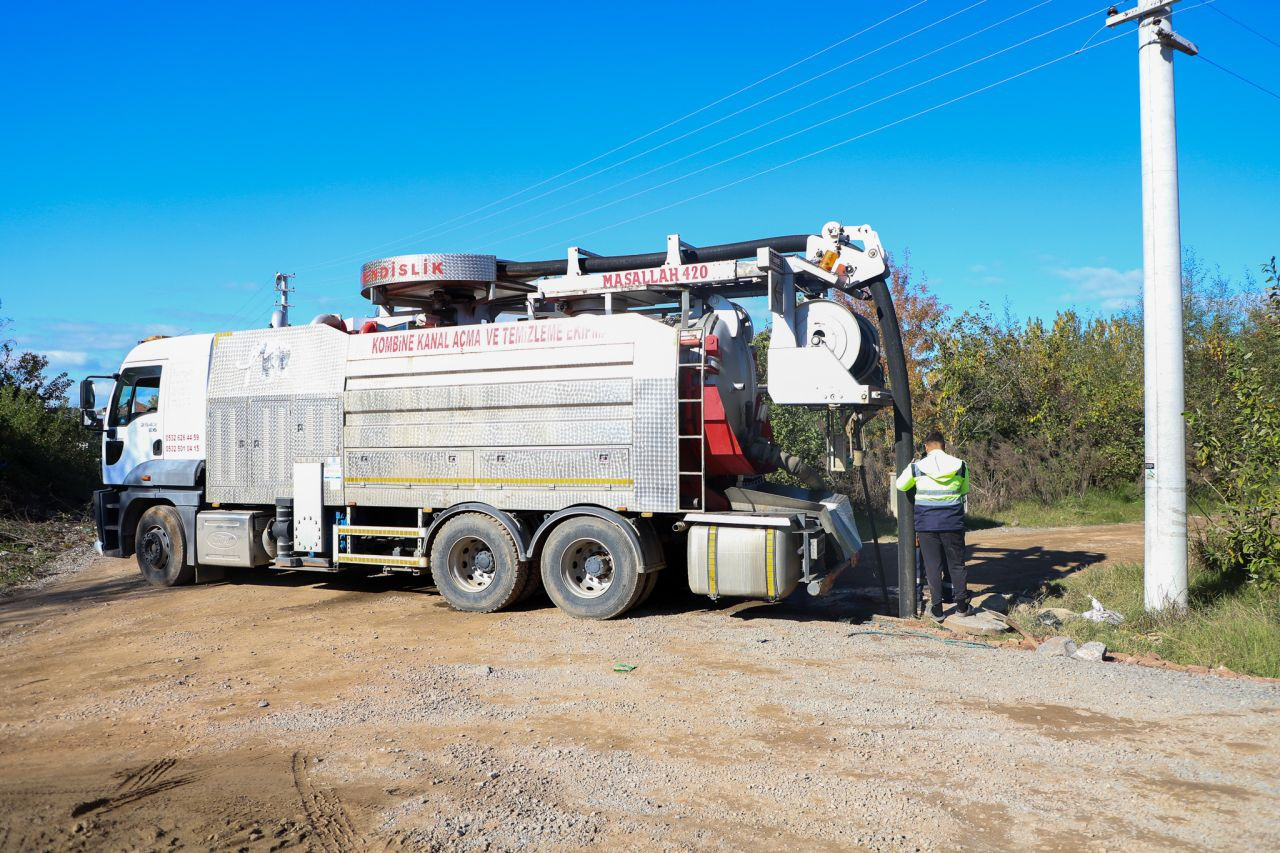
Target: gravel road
305, 712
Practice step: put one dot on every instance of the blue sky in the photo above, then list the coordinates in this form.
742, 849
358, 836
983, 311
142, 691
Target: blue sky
162, 161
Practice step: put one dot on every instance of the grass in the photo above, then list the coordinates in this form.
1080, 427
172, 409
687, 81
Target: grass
25, 545
1097, 506
1094, 507
1228, 622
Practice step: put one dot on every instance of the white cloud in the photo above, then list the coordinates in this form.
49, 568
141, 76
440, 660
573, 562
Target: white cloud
1109, 287
66, 358
988, 274
98, 336
99, 347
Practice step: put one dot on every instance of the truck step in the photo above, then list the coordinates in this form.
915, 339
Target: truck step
307, 564
382, 560
375, 530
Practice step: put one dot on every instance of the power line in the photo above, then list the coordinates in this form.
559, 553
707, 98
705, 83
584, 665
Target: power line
624, 145
851, 139
787, 115
1243, 25
813, 103
703, 127
795, 133
254, 290
1257, 86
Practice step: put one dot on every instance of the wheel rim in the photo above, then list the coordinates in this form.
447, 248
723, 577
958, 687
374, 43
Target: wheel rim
154, 548
586, 567
472, 564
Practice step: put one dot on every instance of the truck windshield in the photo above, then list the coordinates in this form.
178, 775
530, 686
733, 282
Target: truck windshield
137, 394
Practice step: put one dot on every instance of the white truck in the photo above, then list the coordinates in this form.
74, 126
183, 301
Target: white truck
568, 425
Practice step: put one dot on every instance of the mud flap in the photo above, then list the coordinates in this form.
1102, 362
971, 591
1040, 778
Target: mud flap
210, 574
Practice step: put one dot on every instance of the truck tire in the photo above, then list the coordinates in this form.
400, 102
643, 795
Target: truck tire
590, 570
532, 586
475, 565
161, 548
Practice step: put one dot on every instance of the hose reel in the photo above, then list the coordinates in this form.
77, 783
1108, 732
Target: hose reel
852, 338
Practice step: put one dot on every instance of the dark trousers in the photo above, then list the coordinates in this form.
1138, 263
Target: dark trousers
939, 548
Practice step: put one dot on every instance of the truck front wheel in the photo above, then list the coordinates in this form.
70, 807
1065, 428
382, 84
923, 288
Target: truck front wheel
475, 565
161, 548
590, 570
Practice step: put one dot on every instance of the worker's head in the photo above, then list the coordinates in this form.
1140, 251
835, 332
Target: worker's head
934, 441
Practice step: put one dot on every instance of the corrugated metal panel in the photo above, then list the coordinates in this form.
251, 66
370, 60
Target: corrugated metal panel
470, 432
515, 414
274, 398
438, 497
491, 395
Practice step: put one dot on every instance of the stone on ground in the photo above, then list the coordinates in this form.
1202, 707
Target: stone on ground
1057, 647
1091, 651
991, 601
981, 624
1056, 615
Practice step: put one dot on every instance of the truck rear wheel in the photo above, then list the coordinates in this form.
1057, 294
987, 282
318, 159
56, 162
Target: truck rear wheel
161, 548
590, 570
475, 565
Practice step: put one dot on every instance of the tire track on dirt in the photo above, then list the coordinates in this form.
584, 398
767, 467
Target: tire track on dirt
146, 774
324, 810
135, 785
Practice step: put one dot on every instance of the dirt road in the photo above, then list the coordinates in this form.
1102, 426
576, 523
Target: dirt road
314, 713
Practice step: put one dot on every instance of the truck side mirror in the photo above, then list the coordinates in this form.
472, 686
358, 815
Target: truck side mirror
88, 400
88, 403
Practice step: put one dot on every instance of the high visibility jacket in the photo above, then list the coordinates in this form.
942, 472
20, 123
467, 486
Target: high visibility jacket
941, 481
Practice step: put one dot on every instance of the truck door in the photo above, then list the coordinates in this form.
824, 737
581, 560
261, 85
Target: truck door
134, 432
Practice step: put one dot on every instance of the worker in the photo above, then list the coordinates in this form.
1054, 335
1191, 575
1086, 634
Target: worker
941, 482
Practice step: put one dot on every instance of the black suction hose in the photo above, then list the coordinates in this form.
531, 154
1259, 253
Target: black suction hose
768, 453
871, 514
903, 447
618, 263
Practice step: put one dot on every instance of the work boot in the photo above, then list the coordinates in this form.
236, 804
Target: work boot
935, 612
963, 608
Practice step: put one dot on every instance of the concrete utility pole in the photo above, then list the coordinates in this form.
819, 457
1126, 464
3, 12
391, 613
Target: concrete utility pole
1165, 469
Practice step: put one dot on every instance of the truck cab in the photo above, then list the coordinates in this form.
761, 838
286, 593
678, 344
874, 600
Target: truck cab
152, 437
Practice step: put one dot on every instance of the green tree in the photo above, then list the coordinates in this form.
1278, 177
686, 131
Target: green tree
1236, 440
47, 461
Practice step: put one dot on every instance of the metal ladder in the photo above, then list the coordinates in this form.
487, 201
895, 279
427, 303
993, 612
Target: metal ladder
699, 369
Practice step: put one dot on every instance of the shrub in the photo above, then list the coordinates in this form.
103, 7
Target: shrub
1236, 439
47, 462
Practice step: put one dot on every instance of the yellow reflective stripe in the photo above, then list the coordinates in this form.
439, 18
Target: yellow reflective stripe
489, 481
711, 559
770, 585
382, 560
